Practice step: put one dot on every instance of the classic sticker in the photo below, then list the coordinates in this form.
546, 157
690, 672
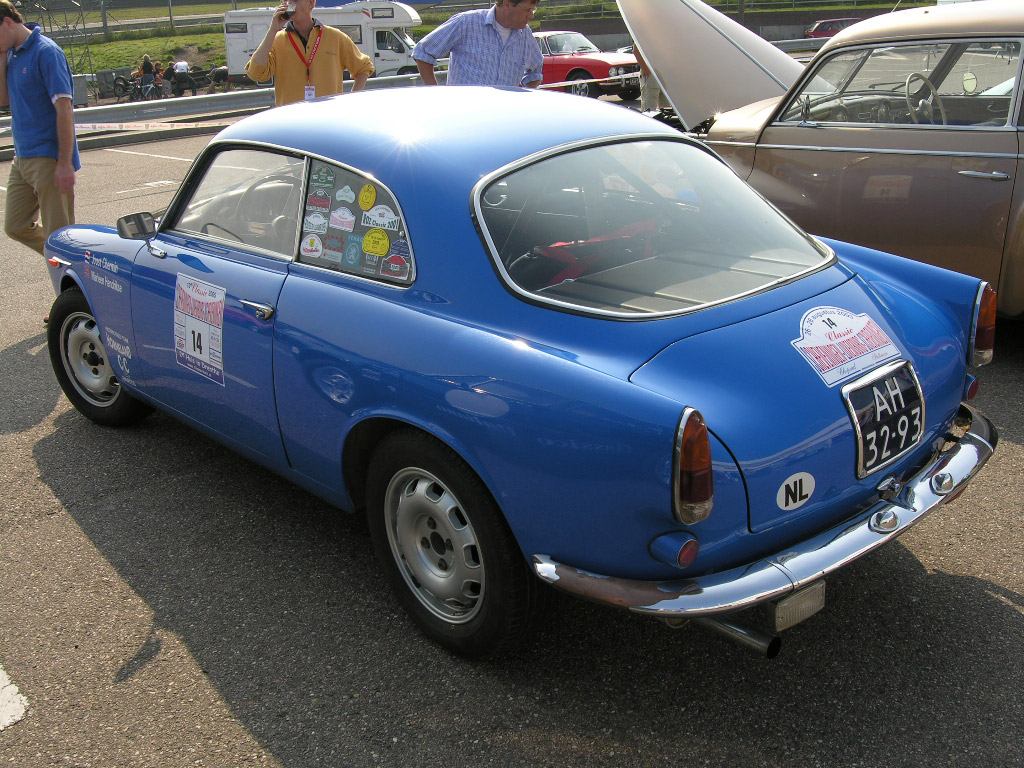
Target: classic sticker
319, 200
380, 216
376, 241
400, 248
795, 491
199, 327
322, 177
395, 267
888, 188
345, 195
367, 197
311, 246
315, 222
839, 344
343, 218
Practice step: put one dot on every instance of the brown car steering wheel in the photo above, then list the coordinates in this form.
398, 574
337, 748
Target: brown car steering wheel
934, 96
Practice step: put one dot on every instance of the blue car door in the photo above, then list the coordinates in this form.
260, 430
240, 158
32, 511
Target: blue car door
204, 296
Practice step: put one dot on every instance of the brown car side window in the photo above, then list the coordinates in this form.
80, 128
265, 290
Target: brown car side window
946, 83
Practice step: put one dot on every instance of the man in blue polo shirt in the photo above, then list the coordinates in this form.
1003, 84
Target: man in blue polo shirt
492, 46
35, 80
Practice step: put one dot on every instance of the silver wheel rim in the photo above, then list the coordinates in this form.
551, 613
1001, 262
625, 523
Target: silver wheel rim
434, 545
86, 361
580, 89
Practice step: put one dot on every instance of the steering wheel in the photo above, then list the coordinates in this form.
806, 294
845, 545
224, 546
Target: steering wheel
245, 202
934, 98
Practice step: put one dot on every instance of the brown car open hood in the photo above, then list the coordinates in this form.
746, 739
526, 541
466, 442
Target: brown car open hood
705, 62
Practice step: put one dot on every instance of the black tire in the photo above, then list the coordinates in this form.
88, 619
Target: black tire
631, 95
591, 90
82, 366
408, 71
121, 87
446, 549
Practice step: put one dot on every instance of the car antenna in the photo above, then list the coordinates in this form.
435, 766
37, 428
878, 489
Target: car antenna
896, 6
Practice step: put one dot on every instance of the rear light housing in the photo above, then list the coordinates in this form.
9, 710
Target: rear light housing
983, 329
693, 488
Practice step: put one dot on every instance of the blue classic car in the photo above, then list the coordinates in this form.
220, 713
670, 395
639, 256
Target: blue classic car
536, 339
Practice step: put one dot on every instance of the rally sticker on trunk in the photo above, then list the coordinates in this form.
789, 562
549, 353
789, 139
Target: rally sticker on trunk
839, 344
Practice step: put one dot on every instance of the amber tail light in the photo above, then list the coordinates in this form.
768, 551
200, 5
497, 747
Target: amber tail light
984, 337
693, 489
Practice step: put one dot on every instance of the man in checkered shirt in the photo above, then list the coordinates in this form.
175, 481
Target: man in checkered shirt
493, 46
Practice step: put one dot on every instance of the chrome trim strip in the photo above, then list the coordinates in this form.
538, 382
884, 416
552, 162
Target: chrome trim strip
788, 570
876, 151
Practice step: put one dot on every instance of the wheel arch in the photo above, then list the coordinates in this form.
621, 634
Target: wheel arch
363, 439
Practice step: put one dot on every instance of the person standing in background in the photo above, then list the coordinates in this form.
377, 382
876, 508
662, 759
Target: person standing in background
307, 59
35, 80
493, 46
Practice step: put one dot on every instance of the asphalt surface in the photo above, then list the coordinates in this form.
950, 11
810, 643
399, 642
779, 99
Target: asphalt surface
164, 602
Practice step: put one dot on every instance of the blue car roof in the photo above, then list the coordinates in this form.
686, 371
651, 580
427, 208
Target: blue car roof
457, 133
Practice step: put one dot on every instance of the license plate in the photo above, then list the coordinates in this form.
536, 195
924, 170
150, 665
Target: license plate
887, 409
632, 82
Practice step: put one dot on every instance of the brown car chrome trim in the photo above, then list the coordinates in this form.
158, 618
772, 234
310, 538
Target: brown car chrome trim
786, 571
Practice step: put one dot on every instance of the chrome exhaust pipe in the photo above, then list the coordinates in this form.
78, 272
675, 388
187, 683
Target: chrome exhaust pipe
750, 638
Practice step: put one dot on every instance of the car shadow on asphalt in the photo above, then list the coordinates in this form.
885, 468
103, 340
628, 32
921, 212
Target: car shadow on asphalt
279, 600
31, 391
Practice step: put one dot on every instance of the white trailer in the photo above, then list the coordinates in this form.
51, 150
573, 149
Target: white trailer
382, 30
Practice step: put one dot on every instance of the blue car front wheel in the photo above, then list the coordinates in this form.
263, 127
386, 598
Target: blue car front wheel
445, 547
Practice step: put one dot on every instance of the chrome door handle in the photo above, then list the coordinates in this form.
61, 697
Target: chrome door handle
262, 311
991, 176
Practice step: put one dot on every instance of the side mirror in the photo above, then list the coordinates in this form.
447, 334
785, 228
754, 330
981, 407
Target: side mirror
970, 82
136, 226
805, 110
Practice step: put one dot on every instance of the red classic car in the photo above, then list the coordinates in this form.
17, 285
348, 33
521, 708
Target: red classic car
570, 57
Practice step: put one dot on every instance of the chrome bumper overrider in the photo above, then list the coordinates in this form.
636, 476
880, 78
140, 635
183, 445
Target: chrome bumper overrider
782, 573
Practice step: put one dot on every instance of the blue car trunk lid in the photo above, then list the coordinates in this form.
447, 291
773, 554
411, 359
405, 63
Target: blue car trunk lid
771, 389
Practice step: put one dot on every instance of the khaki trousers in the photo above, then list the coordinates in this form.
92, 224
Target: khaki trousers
31, 192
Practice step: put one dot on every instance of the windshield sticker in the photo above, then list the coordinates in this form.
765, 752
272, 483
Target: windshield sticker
345, 195
322, 177
354, 250
380, 216
315, 222
395, 267
839, 344
377, 242
311, 246
343, 218
334, 242
319, 200
199, 327
400, 248
367, 197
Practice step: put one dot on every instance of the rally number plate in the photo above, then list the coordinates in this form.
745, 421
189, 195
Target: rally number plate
887, 409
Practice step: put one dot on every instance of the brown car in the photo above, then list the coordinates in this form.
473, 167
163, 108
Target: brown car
902, 134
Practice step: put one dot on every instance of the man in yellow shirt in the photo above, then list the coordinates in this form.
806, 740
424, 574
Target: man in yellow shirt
306, 58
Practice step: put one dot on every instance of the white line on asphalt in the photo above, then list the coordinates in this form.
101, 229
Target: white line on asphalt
148, 186
12, 704
147, 154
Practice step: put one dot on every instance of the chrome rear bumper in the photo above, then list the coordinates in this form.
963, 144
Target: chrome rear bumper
784, 572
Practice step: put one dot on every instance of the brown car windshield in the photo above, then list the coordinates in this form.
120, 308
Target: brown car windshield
638, 229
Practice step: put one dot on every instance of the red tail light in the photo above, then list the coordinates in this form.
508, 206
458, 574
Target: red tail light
693, 489
984, 337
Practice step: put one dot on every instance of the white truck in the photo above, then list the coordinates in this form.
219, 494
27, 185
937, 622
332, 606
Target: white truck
382, 30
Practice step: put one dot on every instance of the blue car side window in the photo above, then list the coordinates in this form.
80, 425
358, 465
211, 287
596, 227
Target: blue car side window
247, 196
352, 224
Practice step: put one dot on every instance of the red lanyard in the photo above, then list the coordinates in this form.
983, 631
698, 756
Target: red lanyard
312, 55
